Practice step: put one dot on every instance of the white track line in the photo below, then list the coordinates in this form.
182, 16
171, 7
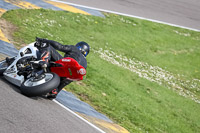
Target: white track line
103, 10
79, 116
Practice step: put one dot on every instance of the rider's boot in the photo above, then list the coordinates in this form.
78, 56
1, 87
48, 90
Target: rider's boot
52, 95
54, 92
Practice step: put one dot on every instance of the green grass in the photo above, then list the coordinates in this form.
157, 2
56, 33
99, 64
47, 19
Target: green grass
129, 88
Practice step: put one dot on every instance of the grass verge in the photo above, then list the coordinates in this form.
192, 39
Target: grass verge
143, 75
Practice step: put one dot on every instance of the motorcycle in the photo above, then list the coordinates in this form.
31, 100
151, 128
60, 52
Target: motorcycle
23, 71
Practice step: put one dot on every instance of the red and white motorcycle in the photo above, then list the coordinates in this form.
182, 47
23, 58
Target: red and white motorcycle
23, 71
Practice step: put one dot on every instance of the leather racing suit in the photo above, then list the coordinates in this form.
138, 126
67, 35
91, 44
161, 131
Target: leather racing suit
49, 53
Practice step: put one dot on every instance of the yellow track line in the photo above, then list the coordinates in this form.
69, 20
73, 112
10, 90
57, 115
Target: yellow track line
111, 127
22, 4
67, 7
3, 38
2, 11
106, 126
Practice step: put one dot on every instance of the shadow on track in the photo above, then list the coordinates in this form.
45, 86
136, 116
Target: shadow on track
17, 89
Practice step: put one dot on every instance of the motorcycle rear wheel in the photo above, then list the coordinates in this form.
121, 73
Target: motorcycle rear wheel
3, 66
38, 87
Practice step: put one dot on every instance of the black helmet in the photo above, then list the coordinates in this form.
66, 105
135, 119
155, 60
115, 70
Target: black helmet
83, 47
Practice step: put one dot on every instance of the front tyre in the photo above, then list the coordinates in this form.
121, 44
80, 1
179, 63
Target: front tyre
3, 66
37, 87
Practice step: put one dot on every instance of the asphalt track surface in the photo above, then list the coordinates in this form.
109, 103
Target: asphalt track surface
184, 13
20, 114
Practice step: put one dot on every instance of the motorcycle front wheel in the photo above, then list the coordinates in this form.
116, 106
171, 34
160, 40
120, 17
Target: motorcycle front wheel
38, 87
3, 66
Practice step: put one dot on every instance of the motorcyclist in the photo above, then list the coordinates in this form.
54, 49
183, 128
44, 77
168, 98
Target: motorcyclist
47, 52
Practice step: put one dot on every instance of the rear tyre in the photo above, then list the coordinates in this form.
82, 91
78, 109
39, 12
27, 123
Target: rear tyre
3, 66
38, 87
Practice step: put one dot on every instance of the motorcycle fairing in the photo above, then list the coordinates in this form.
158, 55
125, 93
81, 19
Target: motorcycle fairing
11, 72
69, 68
